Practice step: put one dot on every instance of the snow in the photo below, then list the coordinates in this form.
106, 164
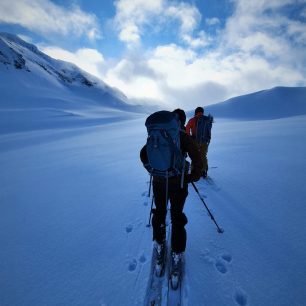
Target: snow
74, 205
74, 210
31, 78
275, 103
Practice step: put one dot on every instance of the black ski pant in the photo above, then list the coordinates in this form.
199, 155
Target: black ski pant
177, 197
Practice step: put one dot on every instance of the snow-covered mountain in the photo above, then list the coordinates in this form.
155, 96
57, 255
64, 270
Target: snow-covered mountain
278, 102
39, 92
30, 78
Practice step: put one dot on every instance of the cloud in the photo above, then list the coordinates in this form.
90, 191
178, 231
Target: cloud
44, 16
188, 15
200, 41
133, 16
265, 29
202, 94
136, 79
260, 46
212, 21
168, 74
297, 31
89, 60
127, 69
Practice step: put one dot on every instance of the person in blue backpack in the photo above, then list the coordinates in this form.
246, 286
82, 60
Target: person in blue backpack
199, 127
174, 185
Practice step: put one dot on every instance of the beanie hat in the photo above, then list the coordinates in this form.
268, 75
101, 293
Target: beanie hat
199, 110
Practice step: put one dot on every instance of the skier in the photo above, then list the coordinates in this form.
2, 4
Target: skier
173, 189
199, 127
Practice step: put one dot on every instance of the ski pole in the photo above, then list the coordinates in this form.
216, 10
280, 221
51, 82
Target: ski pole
149, 223
220, 230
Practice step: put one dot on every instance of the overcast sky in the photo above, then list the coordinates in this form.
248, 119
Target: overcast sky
175, 53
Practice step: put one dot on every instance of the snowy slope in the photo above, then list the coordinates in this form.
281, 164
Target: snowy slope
278, 102
18, 54
74, 210
37, 88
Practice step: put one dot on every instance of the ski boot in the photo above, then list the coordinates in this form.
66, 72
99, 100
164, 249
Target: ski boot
176, 270
160, 250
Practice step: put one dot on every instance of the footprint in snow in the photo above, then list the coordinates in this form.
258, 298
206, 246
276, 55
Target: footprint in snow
240, 297
222, 261
226, 257
144, 194
129, 228
220, 266
142, 258
207, 257
132, 265
145, 203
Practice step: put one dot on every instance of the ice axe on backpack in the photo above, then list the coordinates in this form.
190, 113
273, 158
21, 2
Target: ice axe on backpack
220, 230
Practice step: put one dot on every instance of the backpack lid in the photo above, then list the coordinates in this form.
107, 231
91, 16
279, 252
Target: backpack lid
160, 117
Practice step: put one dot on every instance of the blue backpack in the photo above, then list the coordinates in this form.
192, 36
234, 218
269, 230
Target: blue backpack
203, 129
163, 145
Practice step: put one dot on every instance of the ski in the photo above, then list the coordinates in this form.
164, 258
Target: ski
165, 286
155, 291
175, 280
155, 284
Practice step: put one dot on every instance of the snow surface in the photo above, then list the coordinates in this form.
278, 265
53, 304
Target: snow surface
74, 210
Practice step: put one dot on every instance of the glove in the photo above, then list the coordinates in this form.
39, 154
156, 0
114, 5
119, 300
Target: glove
190, 178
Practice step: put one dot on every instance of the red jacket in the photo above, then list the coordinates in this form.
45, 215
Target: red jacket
192, 125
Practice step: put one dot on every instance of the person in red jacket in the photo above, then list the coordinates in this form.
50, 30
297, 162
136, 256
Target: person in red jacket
203, 140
